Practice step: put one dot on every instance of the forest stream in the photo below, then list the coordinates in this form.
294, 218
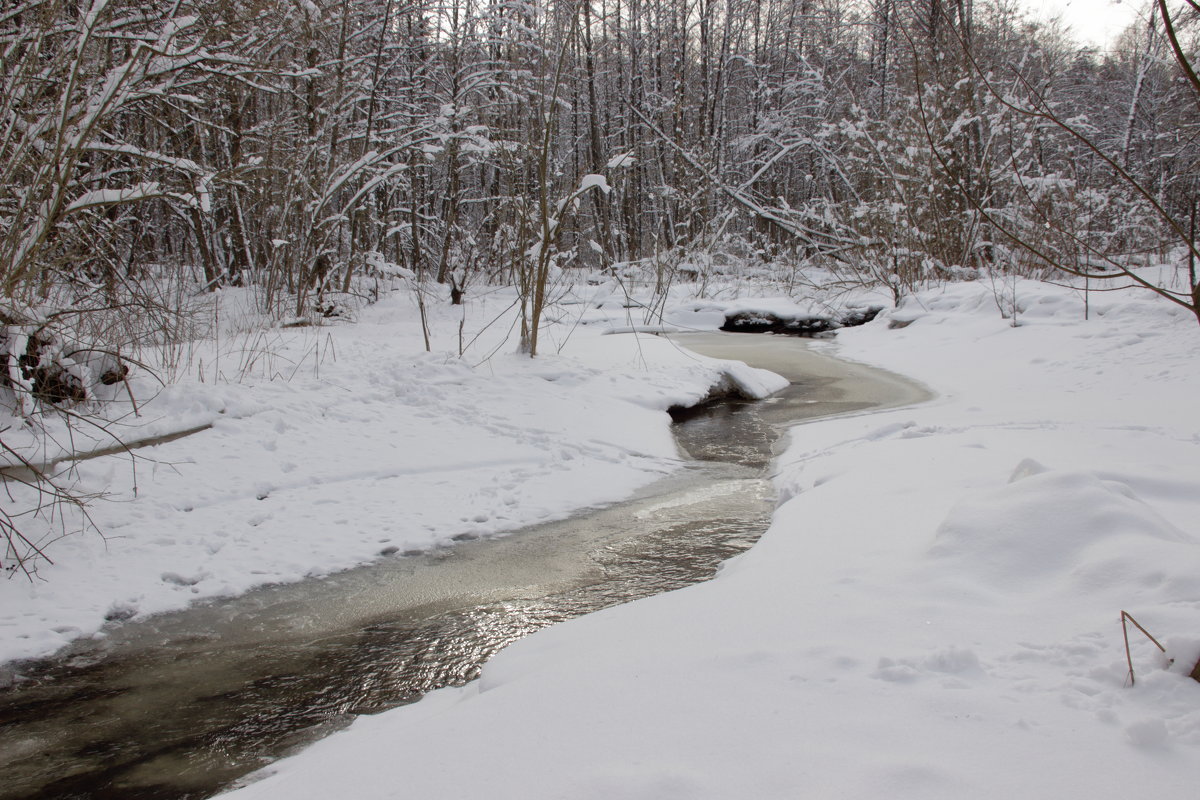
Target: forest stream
185, 704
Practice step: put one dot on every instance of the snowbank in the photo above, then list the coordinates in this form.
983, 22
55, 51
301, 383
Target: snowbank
373, 447
933, 614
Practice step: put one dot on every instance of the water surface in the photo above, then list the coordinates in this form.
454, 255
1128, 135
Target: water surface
182, 704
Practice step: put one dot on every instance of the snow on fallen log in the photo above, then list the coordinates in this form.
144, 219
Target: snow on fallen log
751, 382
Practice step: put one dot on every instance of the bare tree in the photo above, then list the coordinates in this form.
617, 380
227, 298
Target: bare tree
1056, 203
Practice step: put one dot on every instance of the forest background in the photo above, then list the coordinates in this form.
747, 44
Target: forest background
320, 152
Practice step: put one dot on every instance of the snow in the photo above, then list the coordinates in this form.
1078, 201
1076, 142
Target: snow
622, 160
593, 181
754, 384
103, 197
934, 612
372, 446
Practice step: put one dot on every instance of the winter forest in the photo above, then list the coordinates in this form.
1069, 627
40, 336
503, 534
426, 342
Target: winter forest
307, 304
314, 150
320, 153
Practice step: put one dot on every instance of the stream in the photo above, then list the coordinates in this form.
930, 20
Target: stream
182, 705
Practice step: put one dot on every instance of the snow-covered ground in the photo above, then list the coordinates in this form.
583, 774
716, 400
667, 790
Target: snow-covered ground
934, 612
335, 446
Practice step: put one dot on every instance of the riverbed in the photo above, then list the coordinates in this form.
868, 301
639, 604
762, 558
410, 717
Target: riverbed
182, 704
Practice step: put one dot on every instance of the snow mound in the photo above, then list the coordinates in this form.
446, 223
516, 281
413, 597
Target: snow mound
1063, 526
752, 382
1183, 654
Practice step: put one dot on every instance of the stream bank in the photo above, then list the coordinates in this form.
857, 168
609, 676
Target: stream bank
926, 611
181, 704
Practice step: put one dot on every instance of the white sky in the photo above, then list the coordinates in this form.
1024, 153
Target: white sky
1095, 21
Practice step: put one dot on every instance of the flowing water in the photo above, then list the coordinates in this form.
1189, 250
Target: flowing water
181, 705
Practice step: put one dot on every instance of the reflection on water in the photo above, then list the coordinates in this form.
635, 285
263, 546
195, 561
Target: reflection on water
195, 712
182, 704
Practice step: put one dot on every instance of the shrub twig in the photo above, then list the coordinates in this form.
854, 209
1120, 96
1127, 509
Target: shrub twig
1126, 616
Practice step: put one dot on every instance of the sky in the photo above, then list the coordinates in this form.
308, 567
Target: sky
1095, 21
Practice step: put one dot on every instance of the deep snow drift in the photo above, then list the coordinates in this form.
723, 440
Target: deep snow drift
933, 614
